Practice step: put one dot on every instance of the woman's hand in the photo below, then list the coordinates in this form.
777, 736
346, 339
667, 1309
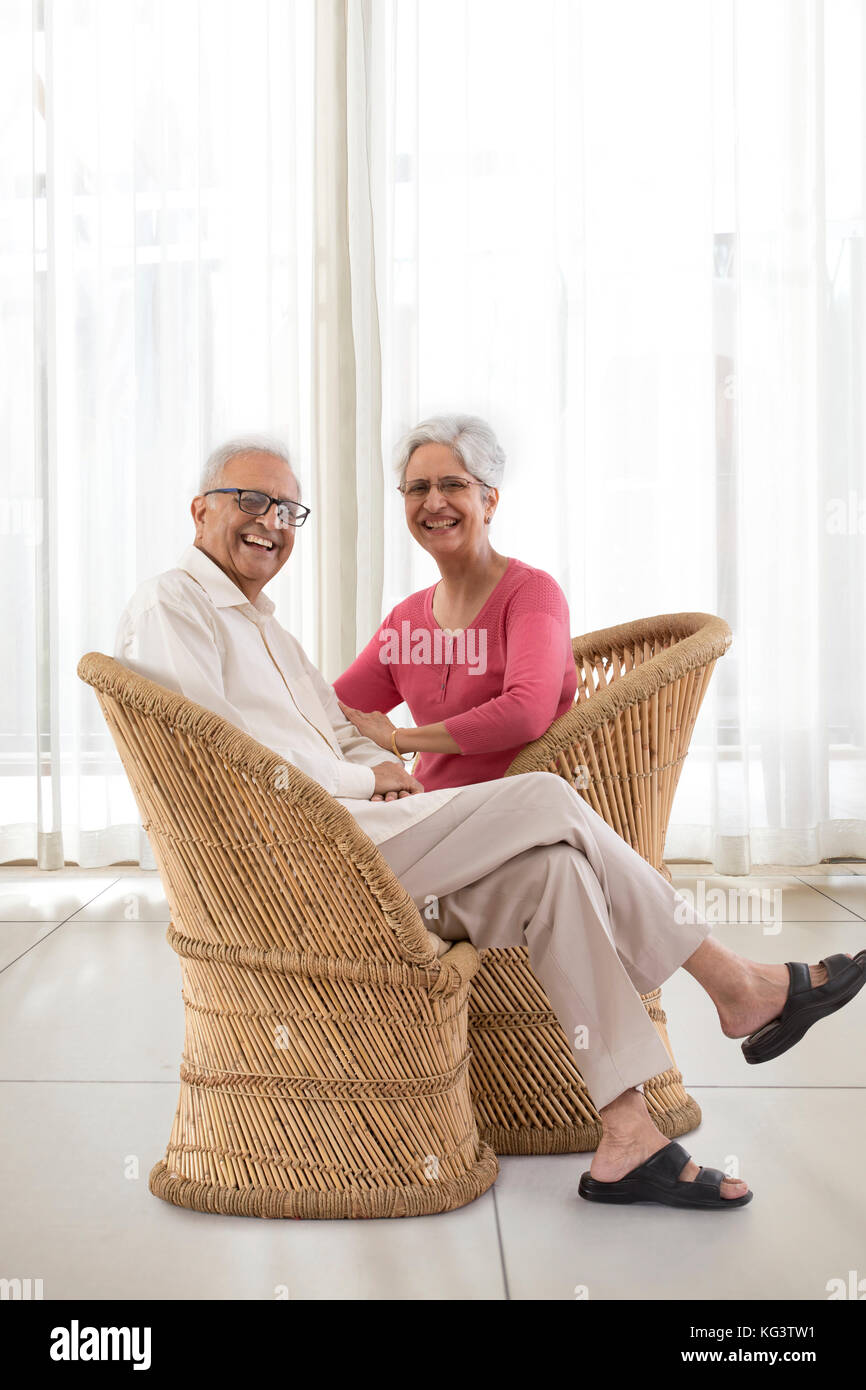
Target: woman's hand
375, 726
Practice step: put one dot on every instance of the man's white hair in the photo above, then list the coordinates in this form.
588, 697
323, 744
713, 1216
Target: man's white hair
469, 438
220, 458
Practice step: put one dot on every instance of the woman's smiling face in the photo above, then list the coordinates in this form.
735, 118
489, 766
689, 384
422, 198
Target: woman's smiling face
445, 524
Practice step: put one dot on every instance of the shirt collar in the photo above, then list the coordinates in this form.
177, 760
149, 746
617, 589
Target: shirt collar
219, 588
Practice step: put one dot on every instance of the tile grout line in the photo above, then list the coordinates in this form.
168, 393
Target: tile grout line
833, 900
57, 926
501, 1247
779, 1086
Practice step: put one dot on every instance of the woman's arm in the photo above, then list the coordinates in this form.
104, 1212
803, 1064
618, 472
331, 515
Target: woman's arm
538, 645
369, 683
429, 738
532, 685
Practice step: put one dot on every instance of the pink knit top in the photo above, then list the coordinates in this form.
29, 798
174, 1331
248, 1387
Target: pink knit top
496, 687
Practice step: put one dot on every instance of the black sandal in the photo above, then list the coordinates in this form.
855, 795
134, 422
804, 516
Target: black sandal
806, 1003
657, 1180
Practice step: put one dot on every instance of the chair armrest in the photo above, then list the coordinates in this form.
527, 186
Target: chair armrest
697, 639
700, 638
458, 965
288, 807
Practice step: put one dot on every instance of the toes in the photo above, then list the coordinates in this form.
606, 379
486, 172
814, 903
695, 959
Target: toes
731, 1187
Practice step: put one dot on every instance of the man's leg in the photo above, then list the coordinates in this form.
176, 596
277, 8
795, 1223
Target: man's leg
548, 899
505, 861
653, 928
474, 835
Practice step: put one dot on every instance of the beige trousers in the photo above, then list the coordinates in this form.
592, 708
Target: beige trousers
525, 861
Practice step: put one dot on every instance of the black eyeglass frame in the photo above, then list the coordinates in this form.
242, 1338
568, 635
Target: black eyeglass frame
278, 502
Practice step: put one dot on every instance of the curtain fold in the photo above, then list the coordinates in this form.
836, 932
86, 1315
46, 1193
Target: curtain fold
156, 278
631, 237
346, 349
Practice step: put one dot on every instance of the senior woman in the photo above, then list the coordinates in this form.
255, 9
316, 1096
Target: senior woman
483, 658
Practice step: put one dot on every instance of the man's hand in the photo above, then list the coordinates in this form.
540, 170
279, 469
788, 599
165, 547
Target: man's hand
393, 781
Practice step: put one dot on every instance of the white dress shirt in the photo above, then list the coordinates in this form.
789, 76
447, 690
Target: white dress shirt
194, 631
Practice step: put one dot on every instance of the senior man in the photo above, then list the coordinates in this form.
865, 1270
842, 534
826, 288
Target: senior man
516, 861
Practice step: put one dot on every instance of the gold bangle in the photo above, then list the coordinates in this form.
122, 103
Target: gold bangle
402, 756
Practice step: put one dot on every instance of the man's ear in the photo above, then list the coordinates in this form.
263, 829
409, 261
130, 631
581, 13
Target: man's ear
197, 508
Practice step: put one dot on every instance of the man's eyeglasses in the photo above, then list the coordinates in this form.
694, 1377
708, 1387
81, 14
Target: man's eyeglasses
259, 504
448, 487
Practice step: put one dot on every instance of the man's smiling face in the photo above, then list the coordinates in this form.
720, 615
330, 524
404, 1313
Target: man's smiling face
249, 549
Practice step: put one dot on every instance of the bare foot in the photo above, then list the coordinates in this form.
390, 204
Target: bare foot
629, 1138
762, 1000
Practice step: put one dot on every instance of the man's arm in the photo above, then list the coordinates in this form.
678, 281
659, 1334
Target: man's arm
355, 746
177, 647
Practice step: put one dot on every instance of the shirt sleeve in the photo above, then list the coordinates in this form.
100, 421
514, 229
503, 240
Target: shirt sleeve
363, 753
177, 647
538, 644
368, 683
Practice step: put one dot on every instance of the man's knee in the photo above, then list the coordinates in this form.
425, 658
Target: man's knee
559, 862
552, 788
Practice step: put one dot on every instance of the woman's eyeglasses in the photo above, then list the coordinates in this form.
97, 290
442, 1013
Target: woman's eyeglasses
448, 487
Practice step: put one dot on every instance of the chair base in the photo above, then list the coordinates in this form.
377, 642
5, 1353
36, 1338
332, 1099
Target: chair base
583, 1138
527, 1091
308, 1204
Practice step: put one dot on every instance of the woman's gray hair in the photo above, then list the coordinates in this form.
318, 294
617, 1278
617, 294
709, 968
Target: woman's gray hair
469, 438
220, 458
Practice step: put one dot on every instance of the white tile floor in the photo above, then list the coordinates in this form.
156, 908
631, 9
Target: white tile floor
91, 1032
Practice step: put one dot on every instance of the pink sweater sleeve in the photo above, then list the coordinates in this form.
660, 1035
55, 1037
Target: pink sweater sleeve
368, 683
537, 641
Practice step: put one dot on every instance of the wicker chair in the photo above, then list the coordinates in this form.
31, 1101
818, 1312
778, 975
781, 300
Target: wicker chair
622, 745
325, 1069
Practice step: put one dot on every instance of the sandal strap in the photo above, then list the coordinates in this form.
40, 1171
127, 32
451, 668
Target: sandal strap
668, 1163
838, 965
711, 1177
801, 979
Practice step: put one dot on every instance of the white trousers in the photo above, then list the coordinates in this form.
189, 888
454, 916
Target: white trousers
525, 861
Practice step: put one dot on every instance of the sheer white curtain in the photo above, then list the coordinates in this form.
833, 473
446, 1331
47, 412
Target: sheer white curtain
631, 236
156, 265
349, 133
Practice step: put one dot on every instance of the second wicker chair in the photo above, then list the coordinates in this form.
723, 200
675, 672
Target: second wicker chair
622, 746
